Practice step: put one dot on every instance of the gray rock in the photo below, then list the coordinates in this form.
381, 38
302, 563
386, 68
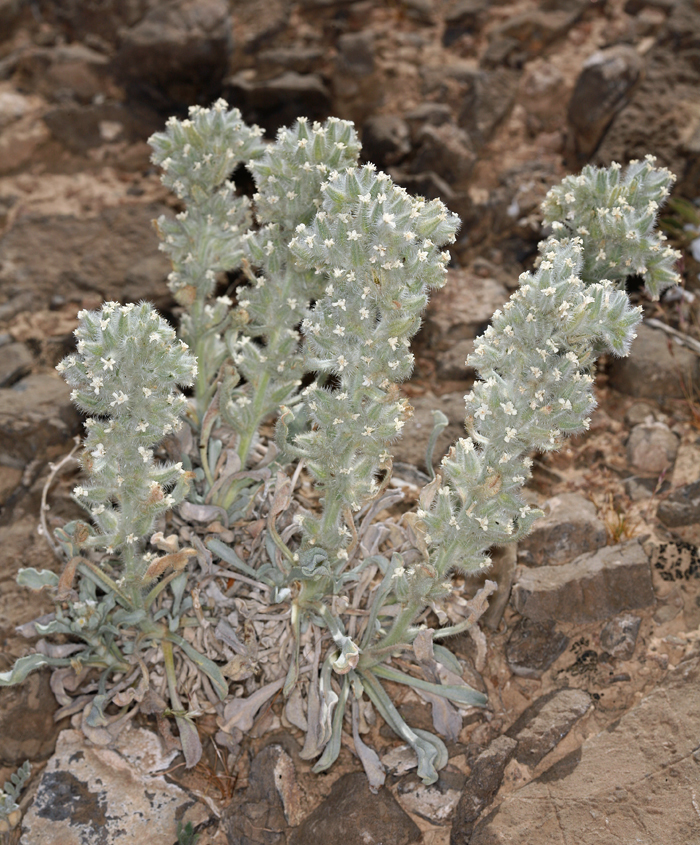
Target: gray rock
463, 17
356, 53
463, 308
452, 364
682, 507
445, 150
533, 647
354, 816
488, 98
385, 139
63, 72
420, 10
416, 433
93, 254
178, 52
570, 528
81, 128
543, 725
433, 113
634, 782
594, 586
296, 58
605, 86
638, 488
522, 37
435, 802
27, 727
15, 362
619, 636
90, 795
36, 418
257, 816
651, 448
639, 413
276, 102
482, 784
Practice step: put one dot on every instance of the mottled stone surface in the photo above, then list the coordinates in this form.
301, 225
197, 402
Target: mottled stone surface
635, 782
98, 796
594, 586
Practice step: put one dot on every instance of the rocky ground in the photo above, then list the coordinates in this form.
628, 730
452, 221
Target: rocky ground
591, 657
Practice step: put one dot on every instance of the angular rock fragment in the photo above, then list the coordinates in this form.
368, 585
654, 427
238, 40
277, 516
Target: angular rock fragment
634, 782
36, 417
594, 586
385, 139
481, 786
533, 647
682, 507
604, 86
656, 368
619, 636
354, 816
15, 362
570, 528
462, 308
279, 101
258, 815
543, 725
652, 448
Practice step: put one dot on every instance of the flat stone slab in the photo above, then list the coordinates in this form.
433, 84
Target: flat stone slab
90, 795
594, 586
636, 782
570, 528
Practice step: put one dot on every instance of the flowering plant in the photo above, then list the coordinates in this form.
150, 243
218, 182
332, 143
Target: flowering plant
323, 601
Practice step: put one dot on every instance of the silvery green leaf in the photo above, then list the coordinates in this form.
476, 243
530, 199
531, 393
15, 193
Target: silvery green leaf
35, 579
23, 667
376, 774
191, 743
332, 749
241, 712
459, 694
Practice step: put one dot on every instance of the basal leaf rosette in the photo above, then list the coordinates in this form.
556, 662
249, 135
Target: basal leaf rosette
125, 375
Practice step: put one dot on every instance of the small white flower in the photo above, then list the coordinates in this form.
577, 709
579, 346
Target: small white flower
482, 412
99, 451
510, 434
131, 538
483, 522
79, 491
342, 362
97, 510
509, 409
119, 398
108, 363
